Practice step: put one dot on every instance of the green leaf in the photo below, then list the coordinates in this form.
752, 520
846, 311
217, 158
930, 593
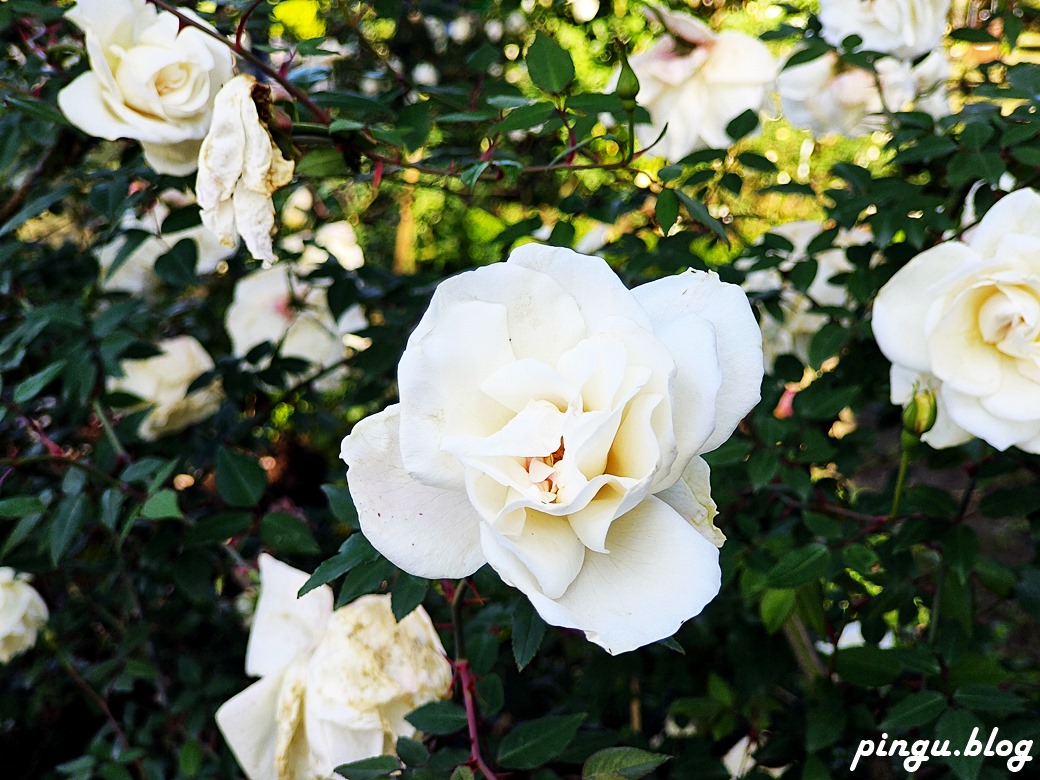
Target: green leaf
341, 504
240, 479
34, 208
799, 566
68, 519
353, 552
19, 506
218, 527
438, 717
956, 727
870, 667
161, 506
528, 631
915, 710
190, 759
667, 209
988, 698
376, 768
628, 762
365, 578
411, 752
826, 343
462, 773
31, 387
699, 213
285, 533
774, 608
177, 266
536, 742
549, 64
742, 125
407, 593
320, 163
524, 118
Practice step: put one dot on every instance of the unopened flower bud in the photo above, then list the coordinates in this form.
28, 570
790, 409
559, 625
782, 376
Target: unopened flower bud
919, 414
628, 84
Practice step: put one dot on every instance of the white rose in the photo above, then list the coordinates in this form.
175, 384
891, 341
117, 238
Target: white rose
335, 686
963, 319
697, 81
23, 613
905, 28
163, 381
930, 76
825, 96
550, 424
273, 305
239, 168
149, 80
795, 332
136, 274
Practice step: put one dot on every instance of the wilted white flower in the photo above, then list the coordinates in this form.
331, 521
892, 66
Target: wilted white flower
149, 80
794, 334
696, 82
136, 274
550, 424
239, 168
963, 320
826, 96
273, 305
334, 685
905, 28
163, 381
23, 613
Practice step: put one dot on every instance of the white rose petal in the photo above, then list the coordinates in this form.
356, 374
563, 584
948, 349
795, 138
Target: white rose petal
162, 381
822, 97
23, 613
964, 320
905, 28
335, 686
696, 82
149, 80
549, 424
239, 168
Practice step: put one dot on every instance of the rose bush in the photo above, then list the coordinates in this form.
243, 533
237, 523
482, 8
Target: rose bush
963, 319
335, 686
23, 613
905, 28
551, 424
239, 167
149, 80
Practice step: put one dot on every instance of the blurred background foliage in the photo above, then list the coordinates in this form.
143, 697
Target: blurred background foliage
443, 154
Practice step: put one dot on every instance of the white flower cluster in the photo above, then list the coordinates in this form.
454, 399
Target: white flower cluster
826, 95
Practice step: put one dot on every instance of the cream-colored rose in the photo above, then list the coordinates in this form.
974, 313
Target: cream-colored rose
335, 685
239, 168
23, 613
136, 274
274, 305
551, 423
163, 381
696, 82
149, 80
963, 319
795, 332
905, 28
825, 96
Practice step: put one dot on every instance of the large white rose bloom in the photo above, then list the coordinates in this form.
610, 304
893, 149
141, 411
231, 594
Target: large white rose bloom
794, 334
149, 80
273, 305
136, 274
696, 82
163, 381
825, 96
335, 686
963, 319
23, 613
904, 28
550, 424
239, 168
